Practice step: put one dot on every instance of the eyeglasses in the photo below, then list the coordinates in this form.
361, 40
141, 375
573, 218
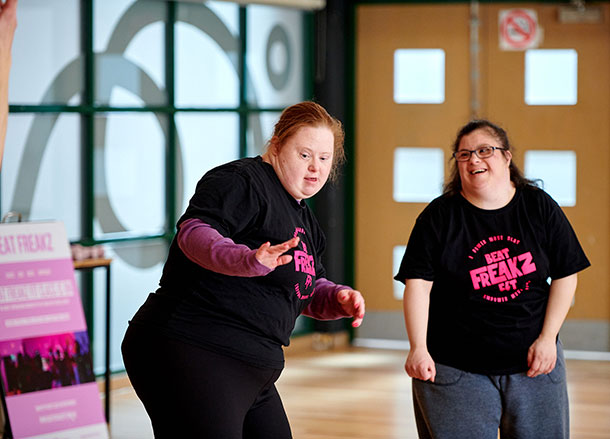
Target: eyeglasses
482, 152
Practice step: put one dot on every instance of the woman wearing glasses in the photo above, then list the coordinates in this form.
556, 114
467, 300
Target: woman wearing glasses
490, 272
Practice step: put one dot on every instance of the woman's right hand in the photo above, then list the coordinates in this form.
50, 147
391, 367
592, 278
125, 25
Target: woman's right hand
8, 23
420, 365
272, 256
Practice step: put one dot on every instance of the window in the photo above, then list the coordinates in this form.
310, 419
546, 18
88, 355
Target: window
551, 77
418, 174
419, 76
118, 109
555, 172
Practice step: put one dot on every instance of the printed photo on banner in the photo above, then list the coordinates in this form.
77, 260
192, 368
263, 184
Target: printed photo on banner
43, 363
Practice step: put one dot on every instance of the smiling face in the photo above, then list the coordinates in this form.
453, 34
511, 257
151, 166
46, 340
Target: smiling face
304, 161
478, 174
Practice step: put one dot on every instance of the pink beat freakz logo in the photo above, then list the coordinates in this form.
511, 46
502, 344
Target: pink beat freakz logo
304, 263
503, 269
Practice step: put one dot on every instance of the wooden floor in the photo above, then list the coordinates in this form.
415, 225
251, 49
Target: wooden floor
361, 393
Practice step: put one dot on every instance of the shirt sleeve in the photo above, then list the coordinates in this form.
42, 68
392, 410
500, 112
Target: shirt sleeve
325, 305
206, 247
564, 251
421, 255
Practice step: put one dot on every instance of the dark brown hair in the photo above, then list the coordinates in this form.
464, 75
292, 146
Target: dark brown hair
311, 114
454, 184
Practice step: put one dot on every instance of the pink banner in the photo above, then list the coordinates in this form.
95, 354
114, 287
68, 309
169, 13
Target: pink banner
55, 410
46, 365
37, 297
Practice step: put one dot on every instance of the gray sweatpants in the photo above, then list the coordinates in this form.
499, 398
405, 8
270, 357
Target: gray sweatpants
472, 406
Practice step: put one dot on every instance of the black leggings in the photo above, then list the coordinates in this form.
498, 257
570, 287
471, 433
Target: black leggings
190, 392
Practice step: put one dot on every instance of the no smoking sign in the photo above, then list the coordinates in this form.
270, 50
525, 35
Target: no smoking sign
519, 29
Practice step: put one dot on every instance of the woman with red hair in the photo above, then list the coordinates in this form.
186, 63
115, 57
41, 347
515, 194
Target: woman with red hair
204, 351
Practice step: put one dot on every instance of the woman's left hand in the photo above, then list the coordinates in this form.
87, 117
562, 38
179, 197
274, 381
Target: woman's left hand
353, 304
541, 356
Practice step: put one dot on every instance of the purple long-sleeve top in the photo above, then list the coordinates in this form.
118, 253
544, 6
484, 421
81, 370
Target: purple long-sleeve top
203, 245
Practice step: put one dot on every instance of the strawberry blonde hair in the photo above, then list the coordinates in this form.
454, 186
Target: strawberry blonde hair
309, 114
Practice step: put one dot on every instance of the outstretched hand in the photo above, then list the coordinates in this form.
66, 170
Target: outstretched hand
353, 304
8, 23
272, 256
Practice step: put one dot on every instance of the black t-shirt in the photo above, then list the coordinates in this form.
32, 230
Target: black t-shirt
249, 318
490, 271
